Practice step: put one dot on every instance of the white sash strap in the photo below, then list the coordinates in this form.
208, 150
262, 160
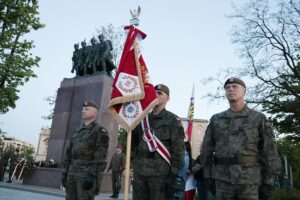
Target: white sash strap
154, 144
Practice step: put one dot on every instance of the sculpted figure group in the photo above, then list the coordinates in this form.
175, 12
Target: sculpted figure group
94, 58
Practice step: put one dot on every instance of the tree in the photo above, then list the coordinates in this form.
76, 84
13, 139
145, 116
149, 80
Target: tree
122, 140
268, 34
17, 18
292, 151
117, 36
2, 135
51, 100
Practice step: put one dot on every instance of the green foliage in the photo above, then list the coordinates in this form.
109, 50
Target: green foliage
17, 18
283, 194
122, 140
29, 167
51, 100
7, 153
2, 134
292, 151
27, 153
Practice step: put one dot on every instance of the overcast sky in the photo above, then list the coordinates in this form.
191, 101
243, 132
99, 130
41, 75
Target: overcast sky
186, 42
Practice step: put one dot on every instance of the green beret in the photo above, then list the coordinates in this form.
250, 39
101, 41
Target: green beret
163, 88
234, 80
91, 104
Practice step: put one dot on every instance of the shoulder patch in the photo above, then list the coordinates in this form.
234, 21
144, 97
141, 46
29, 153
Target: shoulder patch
179, 121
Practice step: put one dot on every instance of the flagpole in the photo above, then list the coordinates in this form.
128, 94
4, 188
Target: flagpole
135, 22
127, 167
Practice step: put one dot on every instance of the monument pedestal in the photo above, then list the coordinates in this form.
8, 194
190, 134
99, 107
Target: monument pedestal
67, 118
51, 177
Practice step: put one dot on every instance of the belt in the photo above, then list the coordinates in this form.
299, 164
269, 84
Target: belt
236, 160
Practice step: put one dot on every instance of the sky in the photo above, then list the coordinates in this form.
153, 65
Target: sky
187, 41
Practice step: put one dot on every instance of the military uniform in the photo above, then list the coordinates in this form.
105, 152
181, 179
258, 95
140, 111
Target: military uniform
85, 159
237, 146
117, 165
151, 171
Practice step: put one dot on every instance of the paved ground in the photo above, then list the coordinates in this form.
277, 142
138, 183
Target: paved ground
16, 191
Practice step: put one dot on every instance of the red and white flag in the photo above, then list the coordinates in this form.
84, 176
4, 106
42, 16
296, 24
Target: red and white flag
190, 117
132, 96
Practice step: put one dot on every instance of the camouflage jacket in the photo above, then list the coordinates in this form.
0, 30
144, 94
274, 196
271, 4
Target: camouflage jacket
168, 129
88, 150
240, 135
117, 163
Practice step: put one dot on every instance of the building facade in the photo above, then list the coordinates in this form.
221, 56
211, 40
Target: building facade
42, 148
198, 131
11, 142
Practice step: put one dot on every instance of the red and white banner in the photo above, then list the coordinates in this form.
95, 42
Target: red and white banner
132, 96
189, 130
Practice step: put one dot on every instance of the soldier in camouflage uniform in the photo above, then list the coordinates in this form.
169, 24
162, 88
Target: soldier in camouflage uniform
239, 149
153, 177
86, 156
117, 166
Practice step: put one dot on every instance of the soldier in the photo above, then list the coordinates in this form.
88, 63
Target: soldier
239, 149
117, 165
86, 156
156, 167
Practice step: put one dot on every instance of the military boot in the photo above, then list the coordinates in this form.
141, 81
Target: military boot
114, 196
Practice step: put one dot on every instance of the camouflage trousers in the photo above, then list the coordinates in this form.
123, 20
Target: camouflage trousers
116, 182
149, 187
228, 191
74, 190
